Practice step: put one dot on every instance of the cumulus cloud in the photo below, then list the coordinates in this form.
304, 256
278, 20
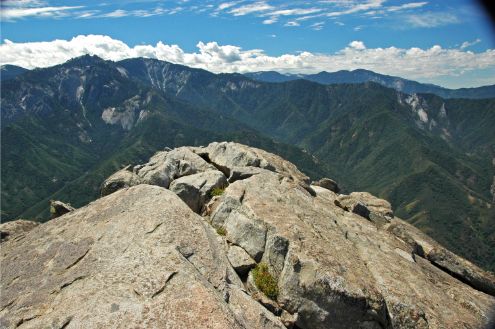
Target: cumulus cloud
413, 63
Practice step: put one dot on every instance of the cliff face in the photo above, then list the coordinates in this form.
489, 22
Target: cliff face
228, 236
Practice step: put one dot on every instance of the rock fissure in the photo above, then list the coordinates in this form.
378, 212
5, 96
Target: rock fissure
152, 230
162, 288
78, 259
65, 285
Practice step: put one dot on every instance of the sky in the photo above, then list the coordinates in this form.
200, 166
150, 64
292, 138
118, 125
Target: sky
446, 42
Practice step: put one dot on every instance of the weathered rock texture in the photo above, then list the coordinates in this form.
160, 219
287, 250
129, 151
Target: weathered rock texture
16, 229
142, 257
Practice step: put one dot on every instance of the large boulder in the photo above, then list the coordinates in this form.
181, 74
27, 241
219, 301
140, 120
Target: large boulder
59, 208
196, 189
240, 260
123, 178
229, 156
328, 183
136, 258
166, 166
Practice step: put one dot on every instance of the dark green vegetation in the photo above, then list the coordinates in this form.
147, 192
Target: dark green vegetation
361, 76
265, 282
217, 191
221, 231
10, 71
430, 157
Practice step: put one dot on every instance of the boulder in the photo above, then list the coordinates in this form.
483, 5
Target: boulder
240, 260
239, 173
15, 229
136, 258
374, 204
123, 178
58, 208
196, 189
228, 156
327, 183
366, 205
166, 166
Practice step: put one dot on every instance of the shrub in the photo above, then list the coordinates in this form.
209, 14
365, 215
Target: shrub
221, 231
265, 281
217, 191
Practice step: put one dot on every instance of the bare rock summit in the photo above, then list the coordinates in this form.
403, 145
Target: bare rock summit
230, 236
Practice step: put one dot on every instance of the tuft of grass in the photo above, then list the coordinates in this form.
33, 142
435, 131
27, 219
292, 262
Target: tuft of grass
217, 191
221, 231
265, 281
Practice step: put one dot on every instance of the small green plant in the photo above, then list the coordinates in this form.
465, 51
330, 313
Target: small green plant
265, 281
221, 231
217, 191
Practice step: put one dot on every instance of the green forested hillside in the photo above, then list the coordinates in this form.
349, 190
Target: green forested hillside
432, 158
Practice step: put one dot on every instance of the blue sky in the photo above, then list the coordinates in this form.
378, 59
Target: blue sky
450, 43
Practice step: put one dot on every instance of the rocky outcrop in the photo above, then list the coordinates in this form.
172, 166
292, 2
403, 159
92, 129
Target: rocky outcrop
196, 189
442, 258
327, 183
58, 208
16, 229
121, 179
142, 256
136, 258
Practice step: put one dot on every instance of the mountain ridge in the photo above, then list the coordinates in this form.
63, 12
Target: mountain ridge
422, 152
362, 75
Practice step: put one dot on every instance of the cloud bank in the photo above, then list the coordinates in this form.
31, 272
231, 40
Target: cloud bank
413, 63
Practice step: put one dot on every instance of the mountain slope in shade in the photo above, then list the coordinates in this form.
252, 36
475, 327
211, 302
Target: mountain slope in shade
8, 72
430, 156
361, 76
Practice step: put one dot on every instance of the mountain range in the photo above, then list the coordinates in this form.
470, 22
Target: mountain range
65, 128
361, 75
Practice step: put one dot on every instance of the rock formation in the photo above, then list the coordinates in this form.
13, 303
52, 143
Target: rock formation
176, 243
58, 208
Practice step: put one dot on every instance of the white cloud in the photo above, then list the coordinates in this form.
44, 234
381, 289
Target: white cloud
467, 44
431, 19
317, 26
15, 13
413, 63
227, 5
292, 23
270, 20
354, 7
410, 5
116, 14
293, 12
358, 45
256, 7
